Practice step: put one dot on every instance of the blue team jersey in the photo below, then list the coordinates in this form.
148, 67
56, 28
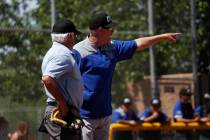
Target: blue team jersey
119, 114
148, 112
97, 67
202, 111
182, 110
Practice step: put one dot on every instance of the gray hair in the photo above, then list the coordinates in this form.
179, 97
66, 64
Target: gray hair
61, 38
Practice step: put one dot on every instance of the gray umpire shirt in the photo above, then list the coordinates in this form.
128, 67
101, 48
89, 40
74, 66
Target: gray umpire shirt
60, 64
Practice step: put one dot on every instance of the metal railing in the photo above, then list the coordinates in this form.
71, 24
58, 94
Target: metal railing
116, 127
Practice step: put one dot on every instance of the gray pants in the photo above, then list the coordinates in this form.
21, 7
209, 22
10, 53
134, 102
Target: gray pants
96, 129
55, 131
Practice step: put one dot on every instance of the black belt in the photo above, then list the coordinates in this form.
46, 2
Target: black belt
52, 103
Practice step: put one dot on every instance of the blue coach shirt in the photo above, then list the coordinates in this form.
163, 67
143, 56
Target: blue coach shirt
97, 67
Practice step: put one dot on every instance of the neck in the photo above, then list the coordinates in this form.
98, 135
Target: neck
67, 45
63, 43
93, 41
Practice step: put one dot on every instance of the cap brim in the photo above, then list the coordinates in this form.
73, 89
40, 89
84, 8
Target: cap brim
155, 104
127, 104
77, 32
186, 94
111, 25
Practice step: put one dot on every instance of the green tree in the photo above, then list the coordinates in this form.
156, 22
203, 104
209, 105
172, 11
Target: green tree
21, 53
203, 35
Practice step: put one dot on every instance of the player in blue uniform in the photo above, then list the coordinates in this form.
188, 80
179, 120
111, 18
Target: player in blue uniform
184, 112
125, 115
97, 56
153, 114
203, 112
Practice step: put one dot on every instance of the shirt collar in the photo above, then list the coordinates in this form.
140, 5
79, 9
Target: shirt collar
57, 44
89, 46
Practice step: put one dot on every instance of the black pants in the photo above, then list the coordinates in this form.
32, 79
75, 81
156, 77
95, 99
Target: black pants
56, 132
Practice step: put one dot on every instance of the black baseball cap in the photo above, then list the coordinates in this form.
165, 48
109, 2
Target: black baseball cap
100, 20
185, 92
64, 26
156, 102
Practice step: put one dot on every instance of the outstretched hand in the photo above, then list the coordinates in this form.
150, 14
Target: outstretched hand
171, 36
146, 42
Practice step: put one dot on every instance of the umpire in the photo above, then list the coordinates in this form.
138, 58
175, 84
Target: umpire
62, 83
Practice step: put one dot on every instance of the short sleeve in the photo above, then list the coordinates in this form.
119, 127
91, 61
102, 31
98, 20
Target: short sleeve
144, 115
58, 66
125, 49
178, 110
197, 111
115, 117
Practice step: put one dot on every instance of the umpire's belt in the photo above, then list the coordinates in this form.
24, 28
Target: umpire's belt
73, 109
52, 103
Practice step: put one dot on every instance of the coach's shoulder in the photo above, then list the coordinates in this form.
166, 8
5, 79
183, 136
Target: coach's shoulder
78, 45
